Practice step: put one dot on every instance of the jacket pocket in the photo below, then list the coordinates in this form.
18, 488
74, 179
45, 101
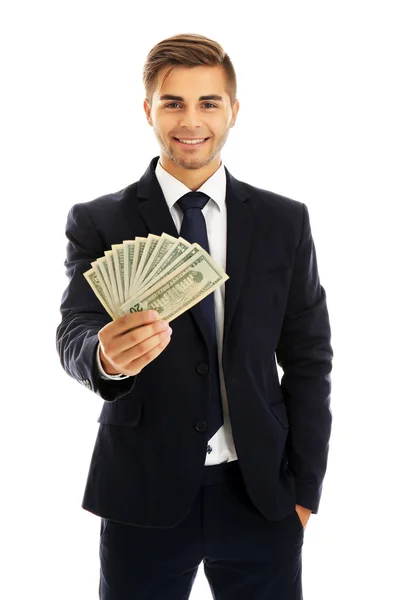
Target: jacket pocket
279, 411
121, 412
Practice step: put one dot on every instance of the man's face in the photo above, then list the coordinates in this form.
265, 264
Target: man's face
179, 112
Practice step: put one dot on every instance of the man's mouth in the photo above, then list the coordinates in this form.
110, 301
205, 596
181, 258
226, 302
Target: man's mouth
191, 143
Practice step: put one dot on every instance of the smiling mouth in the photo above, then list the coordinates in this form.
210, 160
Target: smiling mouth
191, 143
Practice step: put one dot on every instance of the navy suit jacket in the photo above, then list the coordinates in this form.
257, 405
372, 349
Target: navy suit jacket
149, 454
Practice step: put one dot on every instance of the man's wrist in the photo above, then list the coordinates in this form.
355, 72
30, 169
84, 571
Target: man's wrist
107, 368
102, 371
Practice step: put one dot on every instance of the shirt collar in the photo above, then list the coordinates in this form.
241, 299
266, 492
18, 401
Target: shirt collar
173, 189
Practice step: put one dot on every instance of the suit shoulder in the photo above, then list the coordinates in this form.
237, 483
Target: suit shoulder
273, 200
107, 201
106, 206
286, 213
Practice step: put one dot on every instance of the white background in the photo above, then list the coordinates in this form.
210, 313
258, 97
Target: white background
318, 122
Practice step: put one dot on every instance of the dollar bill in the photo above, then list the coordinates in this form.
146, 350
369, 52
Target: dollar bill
104, 287
140, 244
163, 273
164, 243
172, 258
129, 248
118, 257
151, 244
102, 265
92, 277
180, 290
185, 256
113, 278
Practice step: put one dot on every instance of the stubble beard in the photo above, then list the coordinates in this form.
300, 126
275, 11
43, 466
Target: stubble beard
191, 162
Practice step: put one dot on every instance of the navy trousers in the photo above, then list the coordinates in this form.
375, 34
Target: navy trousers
245, 556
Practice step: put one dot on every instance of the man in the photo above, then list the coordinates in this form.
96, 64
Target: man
202, 454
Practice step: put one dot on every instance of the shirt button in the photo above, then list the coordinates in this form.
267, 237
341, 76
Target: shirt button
202, 368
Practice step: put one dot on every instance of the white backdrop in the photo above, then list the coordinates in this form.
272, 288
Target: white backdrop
318, 122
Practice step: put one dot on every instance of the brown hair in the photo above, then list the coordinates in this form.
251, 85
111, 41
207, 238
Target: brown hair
189, 50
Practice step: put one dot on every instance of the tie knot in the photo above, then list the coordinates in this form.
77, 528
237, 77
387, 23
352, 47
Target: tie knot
193, 200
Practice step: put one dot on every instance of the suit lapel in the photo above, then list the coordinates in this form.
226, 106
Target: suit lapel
152, 204
240, 225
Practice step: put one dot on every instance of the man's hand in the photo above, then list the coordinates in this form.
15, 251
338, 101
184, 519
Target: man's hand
304, 514
129, 343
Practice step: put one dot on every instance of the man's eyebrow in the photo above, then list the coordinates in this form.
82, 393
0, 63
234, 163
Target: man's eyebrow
180, 99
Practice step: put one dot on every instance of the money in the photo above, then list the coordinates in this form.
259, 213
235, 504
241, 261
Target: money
93, 278
160, 273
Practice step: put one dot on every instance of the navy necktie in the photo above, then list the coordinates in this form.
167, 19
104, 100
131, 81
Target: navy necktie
194, 229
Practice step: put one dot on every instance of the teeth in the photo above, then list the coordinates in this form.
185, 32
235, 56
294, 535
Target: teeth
192, 141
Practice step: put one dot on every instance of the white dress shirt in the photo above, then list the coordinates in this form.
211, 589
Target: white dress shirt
221, 447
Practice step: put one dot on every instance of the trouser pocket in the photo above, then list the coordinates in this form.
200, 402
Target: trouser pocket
299, 523
103, 526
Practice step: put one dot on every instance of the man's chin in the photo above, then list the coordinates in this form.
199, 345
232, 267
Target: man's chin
189, 163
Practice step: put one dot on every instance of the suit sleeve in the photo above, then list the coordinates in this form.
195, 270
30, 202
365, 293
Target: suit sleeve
82, 315
305, 355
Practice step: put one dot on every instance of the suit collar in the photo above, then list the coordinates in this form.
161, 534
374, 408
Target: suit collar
240, 226
173, 189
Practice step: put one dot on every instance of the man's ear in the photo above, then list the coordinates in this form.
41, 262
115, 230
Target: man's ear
235, 112
147, 110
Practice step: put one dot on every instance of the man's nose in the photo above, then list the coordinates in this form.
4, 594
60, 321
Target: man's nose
190, 119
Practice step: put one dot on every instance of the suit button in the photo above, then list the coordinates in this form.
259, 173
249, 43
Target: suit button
202, 368
201, 426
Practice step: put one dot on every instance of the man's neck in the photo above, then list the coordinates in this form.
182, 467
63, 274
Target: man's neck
192, 178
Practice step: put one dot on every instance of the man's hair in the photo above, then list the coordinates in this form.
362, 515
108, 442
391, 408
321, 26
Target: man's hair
187, 50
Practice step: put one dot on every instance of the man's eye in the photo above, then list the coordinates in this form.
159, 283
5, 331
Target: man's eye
209, 104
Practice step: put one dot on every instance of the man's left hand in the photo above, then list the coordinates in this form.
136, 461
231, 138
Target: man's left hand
304, 514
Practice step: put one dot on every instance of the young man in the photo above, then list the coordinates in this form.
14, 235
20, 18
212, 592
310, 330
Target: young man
202, 454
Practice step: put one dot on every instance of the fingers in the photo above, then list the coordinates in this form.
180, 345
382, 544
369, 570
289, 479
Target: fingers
131, 342
133, 330
129, 321
135, 338
132, 362
132, 320
125, 323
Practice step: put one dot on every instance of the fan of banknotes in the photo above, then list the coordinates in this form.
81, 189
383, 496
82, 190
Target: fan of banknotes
162, 273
